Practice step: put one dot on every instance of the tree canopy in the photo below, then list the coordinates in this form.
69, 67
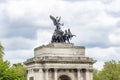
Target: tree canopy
14, 72
1, 52
111, 71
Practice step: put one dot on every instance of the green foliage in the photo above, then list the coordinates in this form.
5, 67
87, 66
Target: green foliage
111, 71
20, 71
4, 65
7, 72
95, 73
16, 72
1, 52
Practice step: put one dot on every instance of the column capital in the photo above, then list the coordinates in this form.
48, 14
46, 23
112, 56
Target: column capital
91, 70
55, 69
46, 69
36, 69
79, 69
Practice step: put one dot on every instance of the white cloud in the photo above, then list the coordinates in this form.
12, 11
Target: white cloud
17, 43
113, 8
106, 20
106, 1
98, 65
103, 54
15, 9
3, 29
33, 8
43, 37
114, 39
18, 56
42, 23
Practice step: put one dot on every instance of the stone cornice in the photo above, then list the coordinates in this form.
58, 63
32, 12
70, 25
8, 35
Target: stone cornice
59, 45
56, 59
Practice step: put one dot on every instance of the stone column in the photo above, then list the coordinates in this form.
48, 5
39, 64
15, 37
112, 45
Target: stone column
36, 73
91, 74
78, 74
87, 74
46, 74
41, 75
82, 75
55, 74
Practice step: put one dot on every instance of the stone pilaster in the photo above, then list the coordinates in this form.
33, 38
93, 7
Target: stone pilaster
41, 74
82, 75
91, 74
46, 74
79, 74
55, 74
87, 74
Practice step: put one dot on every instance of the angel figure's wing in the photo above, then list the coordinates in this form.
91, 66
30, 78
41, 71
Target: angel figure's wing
59, 19
69, 32
53, 19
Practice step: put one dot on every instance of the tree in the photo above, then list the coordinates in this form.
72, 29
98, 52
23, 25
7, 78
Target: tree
20, 70
4, 65
95, 73
111, 71
1, 52
14, 72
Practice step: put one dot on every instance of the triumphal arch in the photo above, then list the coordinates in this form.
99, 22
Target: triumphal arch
60, 60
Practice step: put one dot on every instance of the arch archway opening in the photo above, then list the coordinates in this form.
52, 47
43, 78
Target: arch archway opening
64, 77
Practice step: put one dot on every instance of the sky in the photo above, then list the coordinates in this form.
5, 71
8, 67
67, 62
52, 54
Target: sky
25, 24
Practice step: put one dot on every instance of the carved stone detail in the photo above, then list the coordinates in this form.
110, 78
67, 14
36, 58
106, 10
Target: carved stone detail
36, 70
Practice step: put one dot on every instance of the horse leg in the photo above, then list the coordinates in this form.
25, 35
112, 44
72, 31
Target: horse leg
68, 40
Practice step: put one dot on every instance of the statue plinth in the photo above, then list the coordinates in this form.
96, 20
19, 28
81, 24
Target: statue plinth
60, 49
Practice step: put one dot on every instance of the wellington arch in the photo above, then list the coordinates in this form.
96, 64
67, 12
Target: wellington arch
60, 59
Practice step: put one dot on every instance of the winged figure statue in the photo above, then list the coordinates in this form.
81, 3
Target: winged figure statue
56, 21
